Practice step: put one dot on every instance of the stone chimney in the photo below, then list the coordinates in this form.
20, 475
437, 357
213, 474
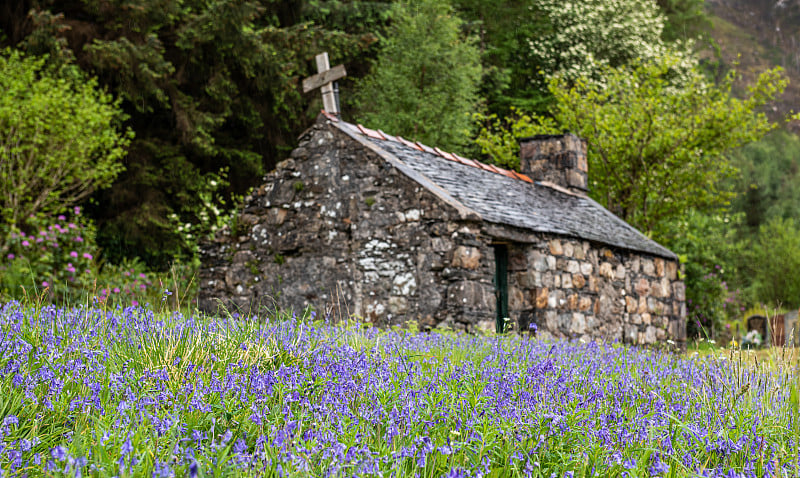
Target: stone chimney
557, 159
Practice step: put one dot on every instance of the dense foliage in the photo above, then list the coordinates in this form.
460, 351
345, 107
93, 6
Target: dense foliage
59, 138
210, 88
656, 149
425, 76
130, 392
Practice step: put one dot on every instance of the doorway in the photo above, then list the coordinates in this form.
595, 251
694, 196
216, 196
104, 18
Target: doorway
501, 285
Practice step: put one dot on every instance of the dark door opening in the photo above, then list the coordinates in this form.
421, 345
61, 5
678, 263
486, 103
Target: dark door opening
501, 285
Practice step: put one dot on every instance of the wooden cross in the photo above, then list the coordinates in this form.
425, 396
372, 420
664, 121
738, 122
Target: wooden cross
325, 78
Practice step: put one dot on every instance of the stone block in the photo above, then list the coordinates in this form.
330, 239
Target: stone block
647, 319
661, 334
573, 267
672, 270
538, 261
572, 302
517, 261
636, 319
642, 287
648, 267
654, 306
566, 281
242, 257
541, 298
642, 305
441, 244
578, 281
593, 284
548, 279
466, 257
579, 252
659, 263
631, 305
585, 303
577, 323
569, 249
551, 263
607, 270
586, 268
471, 294
551, 320
555, 247
631, 333
650, 335
679, 290
516, 299
528, 279
397, 305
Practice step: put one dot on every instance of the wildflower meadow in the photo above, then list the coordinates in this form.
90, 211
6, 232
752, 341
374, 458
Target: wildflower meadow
93, 390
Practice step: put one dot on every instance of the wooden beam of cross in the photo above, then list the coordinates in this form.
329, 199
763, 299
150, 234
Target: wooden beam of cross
324, 78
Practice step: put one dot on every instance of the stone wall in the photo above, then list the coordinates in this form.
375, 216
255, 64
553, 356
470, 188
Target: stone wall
578, 289
336, 227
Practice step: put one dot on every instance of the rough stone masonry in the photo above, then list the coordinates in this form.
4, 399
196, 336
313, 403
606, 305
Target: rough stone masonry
389, 230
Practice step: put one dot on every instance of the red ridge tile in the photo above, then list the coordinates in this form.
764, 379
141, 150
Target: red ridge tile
370, 132
446, 155
408, 143
425, 148
467, 161
378, 134
330, 116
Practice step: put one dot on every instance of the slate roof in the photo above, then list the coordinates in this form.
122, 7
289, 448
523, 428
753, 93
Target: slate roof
505, 197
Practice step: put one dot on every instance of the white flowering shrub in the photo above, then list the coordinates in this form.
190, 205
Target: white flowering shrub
588, 36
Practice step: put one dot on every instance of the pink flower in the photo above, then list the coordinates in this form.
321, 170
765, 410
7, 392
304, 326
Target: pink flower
127, 274
142, 275
25, 243
77, 210
11, 256
134, 303
78, 239
73, 254
88, 271
142, 286
116, 290
39, 239
22, 233
42, 233
86, 255
71, 225
45, 284
61, 217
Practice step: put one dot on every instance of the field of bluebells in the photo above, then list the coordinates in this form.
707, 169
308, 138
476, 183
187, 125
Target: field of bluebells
93, 391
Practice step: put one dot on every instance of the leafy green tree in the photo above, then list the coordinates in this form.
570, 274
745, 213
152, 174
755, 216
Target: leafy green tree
769, 172
211, 89
656, 150
523, 43
424, 83
774, 261
60, 138
686, 19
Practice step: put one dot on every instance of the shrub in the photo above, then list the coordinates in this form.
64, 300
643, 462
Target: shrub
58, 138
56, 254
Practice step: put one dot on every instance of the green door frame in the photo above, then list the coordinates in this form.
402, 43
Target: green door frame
501, 285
